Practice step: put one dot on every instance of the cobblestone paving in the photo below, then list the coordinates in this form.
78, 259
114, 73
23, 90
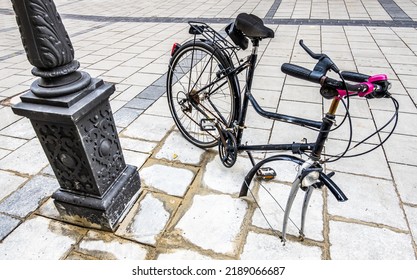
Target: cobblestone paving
189, 207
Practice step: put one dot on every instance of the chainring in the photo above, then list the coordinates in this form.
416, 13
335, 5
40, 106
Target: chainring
227, 148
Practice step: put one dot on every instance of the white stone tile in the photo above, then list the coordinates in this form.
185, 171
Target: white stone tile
252, 136
137, 145
159, 108
362, 165
9, 183
28, 159
105, 246
148, 221
213, 222
369, 199
49, 210
4, 153
149, 127
267, 247
39, 239
135, 158
28, 198
7, 224
405, 179
362, 129
267, 98
177, 148
407, 123
301, 93
7, 117
223, 179
401, 149
285, 133
130, 93
183, 255
10, 143
271, 193
20, 129
359, 242
254, 120
141, 79
170, 180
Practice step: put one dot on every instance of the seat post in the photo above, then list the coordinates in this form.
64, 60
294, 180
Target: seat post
253, 59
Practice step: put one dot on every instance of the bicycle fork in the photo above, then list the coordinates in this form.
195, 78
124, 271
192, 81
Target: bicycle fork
310, 177
306, 178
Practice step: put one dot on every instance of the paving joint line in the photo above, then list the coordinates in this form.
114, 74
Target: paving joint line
400, 20
273, 9
393, 10
330, 22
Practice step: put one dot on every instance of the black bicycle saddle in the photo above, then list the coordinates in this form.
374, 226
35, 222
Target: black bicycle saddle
253, 27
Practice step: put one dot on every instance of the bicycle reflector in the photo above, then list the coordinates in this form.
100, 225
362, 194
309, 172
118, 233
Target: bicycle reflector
175, 47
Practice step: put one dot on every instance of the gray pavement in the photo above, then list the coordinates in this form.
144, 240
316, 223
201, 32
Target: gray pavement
189, 206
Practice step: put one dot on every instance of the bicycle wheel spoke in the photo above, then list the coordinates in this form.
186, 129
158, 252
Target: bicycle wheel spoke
195, 93
276, 201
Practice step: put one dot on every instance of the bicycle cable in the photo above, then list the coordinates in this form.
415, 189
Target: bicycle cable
393, 118
346, 105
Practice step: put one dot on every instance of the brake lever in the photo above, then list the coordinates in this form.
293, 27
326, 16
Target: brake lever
310, 52
322, 58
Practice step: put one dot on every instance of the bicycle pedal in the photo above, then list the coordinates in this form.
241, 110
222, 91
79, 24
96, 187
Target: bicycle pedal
266, 173
208, 124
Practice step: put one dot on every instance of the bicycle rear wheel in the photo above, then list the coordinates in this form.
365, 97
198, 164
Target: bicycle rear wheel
198, 91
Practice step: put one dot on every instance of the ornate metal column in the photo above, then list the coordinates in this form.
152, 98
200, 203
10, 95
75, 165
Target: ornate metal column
71, 115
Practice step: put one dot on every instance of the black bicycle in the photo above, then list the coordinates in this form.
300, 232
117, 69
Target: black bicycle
209, 107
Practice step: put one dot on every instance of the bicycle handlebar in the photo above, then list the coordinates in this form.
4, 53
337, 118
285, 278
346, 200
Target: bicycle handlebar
354, 77
368, 86
300, 72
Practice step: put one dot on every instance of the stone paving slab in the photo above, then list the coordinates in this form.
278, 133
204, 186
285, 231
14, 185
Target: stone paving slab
267, 247
28, 198
171, 180
149, 218
53, 240
375, 243
223, 222
189, 206
108, 247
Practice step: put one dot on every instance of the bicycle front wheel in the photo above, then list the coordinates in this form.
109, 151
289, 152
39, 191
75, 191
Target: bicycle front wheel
199, 92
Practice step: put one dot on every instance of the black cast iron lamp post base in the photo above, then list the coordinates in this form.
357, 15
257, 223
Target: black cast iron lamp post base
71, 115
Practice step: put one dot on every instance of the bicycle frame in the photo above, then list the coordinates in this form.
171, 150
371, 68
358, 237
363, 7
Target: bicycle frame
324, 126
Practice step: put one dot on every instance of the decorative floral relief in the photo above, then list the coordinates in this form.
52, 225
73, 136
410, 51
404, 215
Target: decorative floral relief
88, 160
100, 137
52, 46
65, 153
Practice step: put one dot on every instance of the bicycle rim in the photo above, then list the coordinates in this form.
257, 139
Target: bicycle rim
195, 93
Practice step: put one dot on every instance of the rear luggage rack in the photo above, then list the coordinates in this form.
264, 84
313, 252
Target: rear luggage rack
217, 38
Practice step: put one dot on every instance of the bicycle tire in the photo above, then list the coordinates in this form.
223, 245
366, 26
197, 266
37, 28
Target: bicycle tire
194, 66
